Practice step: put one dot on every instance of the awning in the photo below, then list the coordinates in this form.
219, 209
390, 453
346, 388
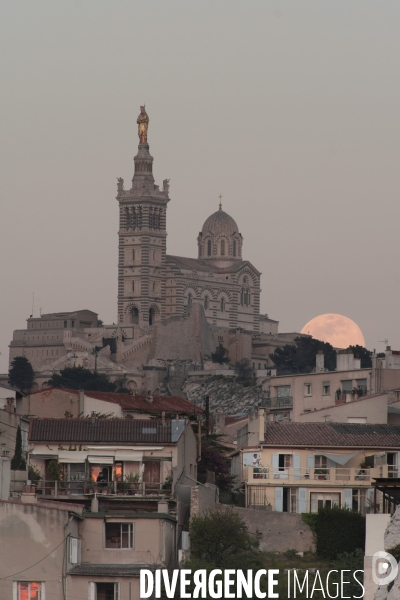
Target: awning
340, 459
131, 456
71, 457
101, 460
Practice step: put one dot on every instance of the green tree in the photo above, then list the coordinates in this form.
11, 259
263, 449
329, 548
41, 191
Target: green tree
213, 458
78, 378
244, 371
18, 462
362, 353
21, 373
220, 540
220, 355
300, 356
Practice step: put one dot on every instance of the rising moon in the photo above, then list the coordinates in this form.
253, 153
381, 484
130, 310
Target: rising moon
337, 330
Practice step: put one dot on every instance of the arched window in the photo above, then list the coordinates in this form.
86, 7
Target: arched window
190, 298
127, 219
134, 316
140, 217
222, 247
155, 220
206, 302
152, 314
222, 305
150, 218
133, 255
154, 286
159, 220
234, 247
134, 218
245, 279
133, 286
209, 248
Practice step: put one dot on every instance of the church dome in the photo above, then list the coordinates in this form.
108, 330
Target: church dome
220, 240
220, 223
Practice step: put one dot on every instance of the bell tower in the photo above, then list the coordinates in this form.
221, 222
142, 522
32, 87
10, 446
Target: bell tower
142, 241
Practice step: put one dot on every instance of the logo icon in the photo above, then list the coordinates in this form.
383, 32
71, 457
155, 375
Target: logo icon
384, 568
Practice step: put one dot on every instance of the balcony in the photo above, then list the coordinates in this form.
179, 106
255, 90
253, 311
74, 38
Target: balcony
286, 402
61, 489
315, 476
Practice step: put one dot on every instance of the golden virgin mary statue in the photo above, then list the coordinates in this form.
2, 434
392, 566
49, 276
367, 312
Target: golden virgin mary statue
143, 125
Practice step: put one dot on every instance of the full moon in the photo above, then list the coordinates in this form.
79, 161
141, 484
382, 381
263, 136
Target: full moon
337, 330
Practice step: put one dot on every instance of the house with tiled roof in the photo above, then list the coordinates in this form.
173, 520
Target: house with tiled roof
77, 458
300, 467
56, 402
96, 553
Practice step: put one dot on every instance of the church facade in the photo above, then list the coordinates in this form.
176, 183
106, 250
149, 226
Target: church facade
169, 307
154, 286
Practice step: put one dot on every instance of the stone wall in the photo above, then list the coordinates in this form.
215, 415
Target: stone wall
276, 531
187, 337
203, 498
226, 395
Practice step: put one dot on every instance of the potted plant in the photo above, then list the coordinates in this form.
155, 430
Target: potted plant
321, 473
54, 473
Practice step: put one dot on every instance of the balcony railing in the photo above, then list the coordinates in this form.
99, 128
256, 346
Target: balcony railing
286, 402
112, 488
331, 476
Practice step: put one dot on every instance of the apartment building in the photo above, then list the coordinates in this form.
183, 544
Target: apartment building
300, 467
294, 396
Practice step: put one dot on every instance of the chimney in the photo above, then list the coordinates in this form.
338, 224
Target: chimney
261, 424
320, 362
94, 506
163, 417
162, 506
81, 400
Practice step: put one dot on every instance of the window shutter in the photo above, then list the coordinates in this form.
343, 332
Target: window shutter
279, 499
73, 551
275, 461
302, 500
296, 465
92, 590
310, 461
348, 498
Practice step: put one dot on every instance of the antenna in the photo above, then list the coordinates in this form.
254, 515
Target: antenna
386, 342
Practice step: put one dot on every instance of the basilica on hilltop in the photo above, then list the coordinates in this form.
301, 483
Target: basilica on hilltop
169, 307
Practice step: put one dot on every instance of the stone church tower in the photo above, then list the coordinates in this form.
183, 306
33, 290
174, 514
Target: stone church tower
142, 241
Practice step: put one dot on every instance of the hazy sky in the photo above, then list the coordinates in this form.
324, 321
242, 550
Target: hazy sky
288, 108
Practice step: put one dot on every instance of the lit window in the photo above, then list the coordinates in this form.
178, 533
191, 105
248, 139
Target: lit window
30, 590
120, 535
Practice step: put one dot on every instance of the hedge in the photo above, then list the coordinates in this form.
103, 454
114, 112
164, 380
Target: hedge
337, 530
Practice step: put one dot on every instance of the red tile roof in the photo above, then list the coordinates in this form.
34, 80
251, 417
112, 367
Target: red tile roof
128, 402
115, 431
345, 435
